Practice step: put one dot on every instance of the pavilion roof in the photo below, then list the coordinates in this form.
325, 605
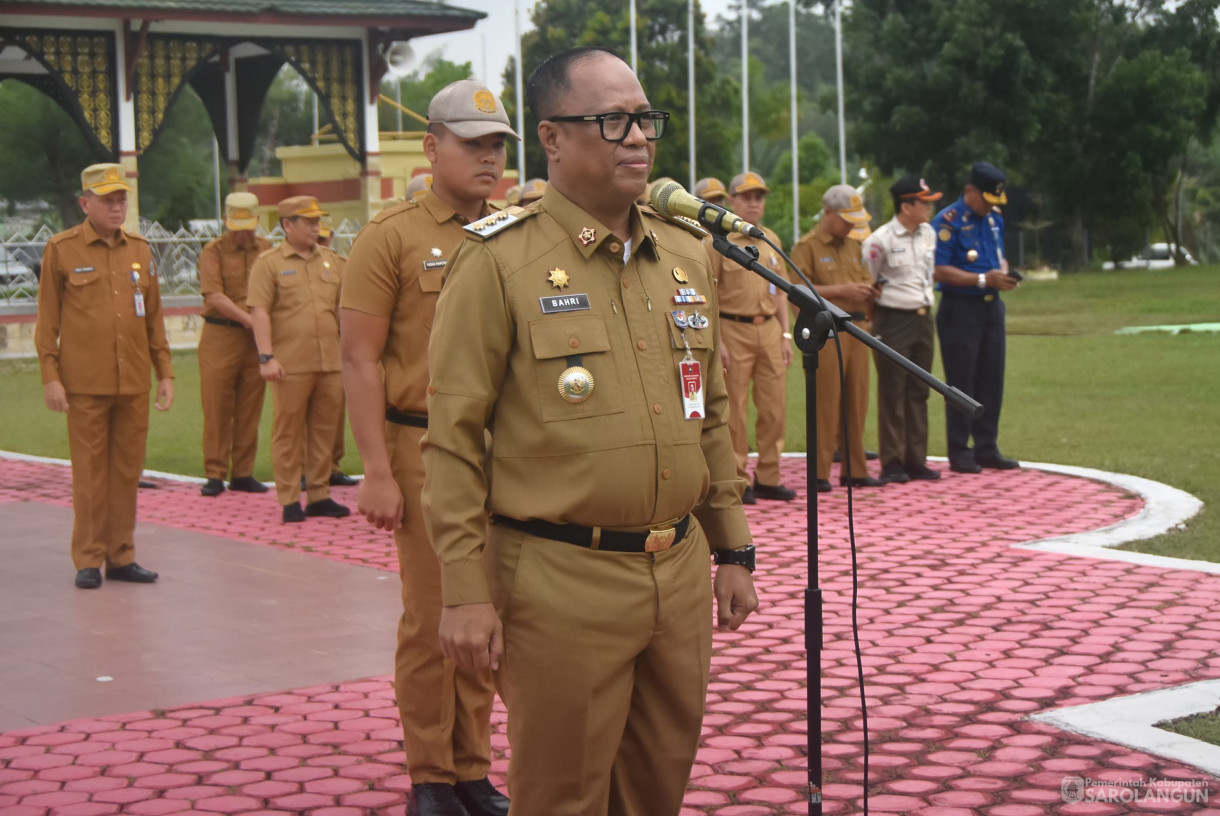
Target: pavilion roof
372, 12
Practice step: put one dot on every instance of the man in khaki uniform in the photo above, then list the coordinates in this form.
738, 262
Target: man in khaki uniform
419, 185
229, 382
389, 297
900, 256
831, 259
756, 344
294, 303
338, 478
99, 331
611, 478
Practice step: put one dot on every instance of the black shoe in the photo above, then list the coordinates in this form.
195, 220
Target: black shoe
132, 572
996, 461
434, 799
341, 479
247, 484
923, 472
862, 481
481, 798
871, 456
303, 485
964, 466
212, 487
748, 496
89, 578
327, 507
773, 492
146, 484
894, 474
293, 513
824, 486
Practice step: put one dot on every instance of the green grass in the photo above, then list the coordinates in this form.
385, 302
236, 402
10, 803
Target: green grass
1205, 726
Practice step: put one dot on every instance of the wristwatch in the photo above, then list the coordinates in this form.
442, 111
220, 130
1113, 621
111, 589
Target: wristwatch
982, 281
742, 558
265, 358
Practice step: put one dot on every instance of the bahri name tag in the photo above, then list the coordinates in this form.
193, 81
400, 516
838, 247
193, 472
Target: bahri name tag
692, 388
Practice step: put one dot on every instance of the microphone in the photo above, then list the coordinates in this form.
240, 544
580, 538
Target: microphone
671, 200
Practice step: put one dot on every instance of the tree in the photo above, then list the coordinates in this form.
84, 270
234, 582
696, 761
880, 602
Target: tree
178, 172
286, 119
417, 90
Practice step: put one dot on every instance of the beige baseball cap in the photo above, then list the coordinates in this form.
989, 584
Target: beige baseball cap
241, 211
710, 189
844, 200
303, 206
419, 183
745, 182
102, 179
470, 110
532, 190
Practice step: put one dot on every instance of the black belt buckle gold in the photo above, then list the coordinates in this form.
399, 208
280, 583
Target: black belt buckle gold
988, 298
660, 540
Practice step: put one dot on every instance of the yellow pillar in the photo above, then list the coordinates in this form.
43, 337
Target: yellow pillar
370, 188
131, 170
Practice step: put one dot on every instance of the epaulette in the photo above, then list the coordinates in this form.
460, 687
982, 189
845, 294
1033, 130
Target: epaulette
497, 221
134, 234
689, 224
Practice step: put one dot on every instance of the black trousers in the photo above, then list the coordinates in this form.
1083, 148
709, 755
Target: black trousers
902, 400
973, 348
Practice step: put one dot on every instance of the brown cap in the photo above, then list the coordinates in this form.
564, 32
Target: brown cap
745, 182
710, 189
470, 110
418, 184
844, 200
102, 179
241, 211
532, 190
303, 206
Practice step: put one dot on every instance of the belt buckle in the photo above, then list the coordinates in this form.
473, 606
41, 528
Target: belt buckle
660, 540
921, 311
988, 298
759, 320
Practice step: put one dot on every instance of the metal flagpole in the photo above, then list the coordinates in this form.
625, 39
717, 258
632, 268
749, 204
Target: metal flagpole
839, 89
796, 175
634, 48
520, 72
690, 85
216, 159
745, 86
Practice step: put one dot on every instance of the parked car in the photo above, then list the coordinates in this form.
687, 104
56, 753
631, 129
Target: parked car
1154, 256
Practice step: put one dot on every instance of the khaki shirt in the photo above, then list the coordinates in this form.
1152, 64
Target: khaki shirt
395, 271
224, 269
829, 261
742, 292
906, 260
506, 330
88, 335
301, 293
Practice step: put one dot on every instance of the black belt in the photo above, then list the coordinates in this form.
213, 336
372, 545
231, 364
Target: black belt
402, 418
614, 540
754, 319
220, 321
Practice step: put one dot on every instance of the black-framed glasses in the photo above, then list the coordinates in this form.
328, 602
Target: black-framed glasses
616, 125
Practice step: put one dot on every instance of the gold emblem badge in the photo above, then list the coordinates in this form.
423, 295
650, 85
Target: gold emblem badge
112, 174
436, 252
485, 101
135, 266
680, 275
576, 384
587, 236
558, 278
972, 255
945, 235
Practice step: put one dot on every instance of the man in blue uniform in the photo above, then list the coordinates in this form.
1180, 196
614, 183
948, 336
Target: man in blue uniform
971, 271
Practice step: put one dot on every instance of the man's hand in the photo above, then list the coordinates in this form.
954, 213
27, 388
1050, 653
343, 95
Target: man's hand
165, 394
472, 636
380, 501
56, 396
785, 351
724, 356
999, 279
859, 291
735, 596
272, 370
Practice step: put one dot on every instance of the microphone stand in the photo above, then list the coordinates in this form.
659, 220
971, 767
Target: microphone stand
816, 319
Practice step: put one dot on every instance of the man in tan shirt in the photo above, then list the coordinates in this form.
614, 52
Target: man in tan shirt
611, 478
832, 260
229, 382
294, 303
389, 297
757, 346
99, 332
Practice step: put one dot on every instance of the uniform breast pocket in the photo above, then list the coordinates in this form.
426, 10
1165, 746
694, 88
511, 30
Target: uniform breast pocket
698, 339
85, 286
899, 260
576, 372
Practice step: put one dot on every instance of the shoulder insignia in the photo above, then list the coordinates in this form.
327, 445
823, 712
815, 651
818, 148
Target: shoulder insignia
689, 224
950, 214
497, 221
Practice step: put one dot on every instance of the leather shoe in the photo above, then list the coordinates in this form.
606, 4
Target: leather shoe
132, 572
434, 799
212, 487
894, 474
923, 472
247, 484
327, 507
481, 798
748, 496
964, 466
773, 492
293, 513
861, 481
996, 461
341, 479
871, 456
824, 486
144, 483
89, 578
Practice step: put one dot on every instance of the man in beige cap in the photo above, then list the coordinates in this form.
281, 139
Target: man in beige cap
712, 190
294, 302
832, 260
99, 332
418, 186
326, 236
389, 296
229, 381
532, 190
756, 345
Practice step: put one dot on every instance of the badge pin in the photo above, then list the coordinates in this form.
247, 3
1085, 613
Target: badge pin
698, 321
135, 266
680, 319
972, 255
945, 235
558, 278
680, 275
436, 252
575, 384
587, 236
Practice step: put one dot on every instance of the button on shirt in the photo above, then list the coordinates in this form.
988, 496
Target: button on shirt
301, 293
960, 229
829, 261
741, 291
905, 259
88, 335
505, 333
224, 269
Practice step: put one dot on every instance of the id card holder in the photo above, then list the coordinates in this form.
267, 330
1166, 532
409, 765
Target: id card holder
139, 299
690, 378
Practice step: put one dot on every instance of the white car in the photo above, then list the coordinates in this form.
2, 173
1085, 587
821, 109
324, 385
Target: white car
1154, 256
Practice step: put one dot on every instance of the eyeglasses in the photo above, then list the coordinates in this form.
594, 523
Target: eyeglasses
615, 126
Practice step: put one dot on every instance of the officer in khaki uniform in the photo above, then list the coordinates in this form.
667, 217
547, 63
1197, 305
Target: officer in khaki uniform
338, 478
757, 346
832, 260
389, 297
294, 302
99, 332
611, 478
229, 382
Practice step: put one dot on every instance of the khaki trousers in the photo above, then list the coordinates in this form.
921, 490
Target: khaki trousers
107, 436
604, 673
233, 393
340, 446
446, 711
306, 411
902, 400
830, 411
755, 354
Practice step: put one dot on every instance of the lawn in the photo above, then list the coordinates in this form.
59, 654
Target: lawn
1077, 394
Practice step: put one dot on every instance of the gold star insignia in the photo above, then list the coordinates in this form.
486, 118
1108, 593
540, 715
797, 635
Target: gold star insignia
558, 278
587, 236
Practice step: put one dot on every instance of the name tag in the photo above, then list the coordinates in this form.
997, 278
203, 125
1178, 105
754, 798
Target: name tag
288, 271
897, 250
564, 303
440, 264
80, 270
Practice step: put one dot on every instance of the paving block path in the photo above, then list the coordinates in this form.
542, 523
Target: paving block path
963, 637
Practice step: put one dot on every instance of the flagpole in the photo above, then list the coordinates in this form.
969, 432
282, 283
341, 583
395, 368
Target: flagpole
690, 85
634, 47
745, 86
796, 175
839, 89
520, 96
